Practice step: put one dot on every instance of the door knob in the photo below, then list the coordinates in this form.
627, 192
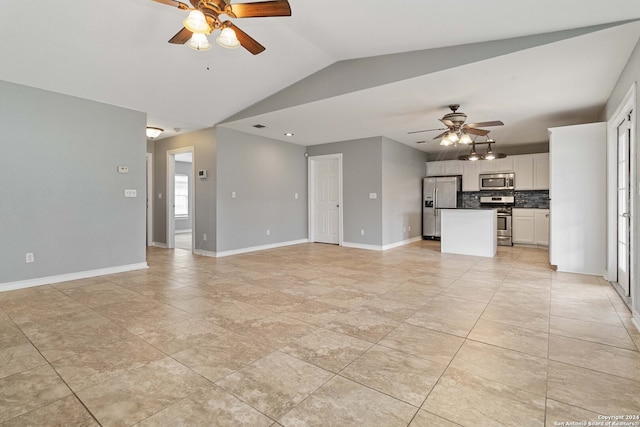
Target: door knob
626, 215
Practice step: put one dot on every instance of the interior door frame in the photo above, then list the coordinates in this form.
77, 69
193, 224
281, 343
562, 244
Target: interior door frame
626, 108
311, 180
149, 199
171, 189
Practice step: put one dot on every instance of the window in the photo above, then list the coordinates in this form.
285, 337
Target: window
181, 200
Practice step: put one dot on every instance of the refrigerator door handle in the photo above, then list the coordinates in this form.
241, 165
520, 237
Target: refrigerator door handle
435, 201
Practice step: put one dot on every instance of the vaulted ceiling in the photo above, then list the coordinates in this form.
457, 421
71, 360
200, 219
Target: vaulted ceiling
116, 52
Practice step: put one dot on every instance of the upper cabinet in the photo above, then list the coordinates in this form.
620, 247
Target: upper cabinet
444, 168
532, 171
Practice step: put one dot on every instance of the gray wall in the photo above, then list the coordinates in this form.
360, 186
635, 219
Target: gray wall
204, 157
362, 174
265, 174
62, 198
184, 168
402, 173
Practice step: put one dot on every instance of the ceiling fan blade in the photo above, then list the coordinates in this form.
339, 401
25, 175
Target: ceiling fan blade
474, 131
441, 135
245, 39
261, 9
426, 130
485, 124
448, 123
181, 37
173, 3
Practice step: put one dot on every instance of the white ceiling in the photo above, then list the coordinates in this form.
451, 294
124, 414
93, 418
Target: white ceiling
115, 51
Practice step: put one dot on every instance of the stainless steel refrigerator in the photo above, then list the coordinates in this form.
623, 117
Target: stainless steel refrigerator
438, 193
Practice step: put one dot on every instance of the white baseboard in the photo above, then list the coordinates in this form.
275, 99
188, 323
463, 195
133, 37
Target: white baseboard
185, 231
259, 248
202, 252
381, 248
362, 246
159, 245
10, 286
401, 243
636, 320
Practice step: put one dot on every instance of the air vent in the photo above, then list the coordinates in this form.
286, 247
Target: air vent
259, 126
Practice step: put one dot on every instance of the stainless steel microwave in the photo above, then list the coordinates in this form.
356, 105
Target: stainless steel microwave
497, 181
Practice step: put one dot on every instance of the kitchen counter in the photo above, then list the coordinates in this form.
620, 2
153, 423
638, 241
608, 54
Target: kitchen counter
469, 232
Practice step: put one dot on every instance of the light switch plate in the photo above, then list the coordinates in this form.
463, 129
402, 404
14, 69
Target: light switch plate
373, 195
128, 192
123, 169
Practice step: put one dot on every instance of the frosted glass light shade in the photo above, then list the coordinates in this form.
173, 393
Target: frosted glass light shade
199, 42
465, 139
154, 132
228, 39
196, 23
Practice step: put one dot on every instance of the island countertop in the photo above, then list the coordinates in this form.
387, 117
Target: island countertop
469, 232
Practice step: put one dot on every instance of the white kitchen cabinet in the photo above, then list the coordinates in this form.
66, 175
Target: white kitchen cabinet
530, 226
523, 226
523, 169
494, 166
470, 180
541, 226
532, 171
444, 168
540, 171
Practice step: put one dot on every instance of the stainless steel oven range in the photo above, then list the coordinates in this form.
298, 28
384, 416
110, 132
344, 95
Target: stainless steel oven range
504, 204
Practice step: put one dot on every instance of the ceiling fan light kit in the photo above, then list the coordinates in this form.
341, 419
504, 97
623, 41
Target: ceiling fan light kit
199, 42
196, 23
204, 17
228, 39
459, 132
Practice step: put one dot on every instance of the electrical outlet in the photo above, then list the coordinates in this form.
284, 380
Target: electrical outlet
204, 237
268, 232
29, 258
233, 194
362, 232
295, 196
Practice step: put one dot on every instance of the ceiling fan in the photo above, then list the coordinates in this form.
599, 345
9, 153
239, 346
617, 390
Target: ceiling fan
457, 131
204, 17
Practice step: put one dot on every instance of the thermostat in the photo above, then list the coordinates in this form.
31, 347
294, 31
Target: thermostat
202, 174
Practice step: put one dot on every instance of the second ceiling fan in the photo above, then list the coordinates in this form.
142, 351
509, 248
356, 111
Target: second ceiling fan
457, 131
204, 18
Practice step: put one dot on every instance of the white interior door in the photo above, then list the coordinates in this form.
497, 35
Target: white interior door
624, 204
326, 200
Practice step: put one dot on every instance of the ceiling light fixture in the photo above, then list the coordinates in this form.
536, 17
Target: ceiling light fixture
228, 39
465, 139
199, 42
288, 134
153, 132
197, 23
475, 156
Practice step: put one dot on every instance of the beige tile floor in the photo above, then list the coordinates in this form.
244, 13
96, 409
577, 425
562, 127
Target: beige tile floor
320, 335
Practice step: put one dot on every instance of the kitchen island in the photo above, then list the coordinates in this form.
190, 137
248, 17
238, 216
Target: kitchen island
469, 232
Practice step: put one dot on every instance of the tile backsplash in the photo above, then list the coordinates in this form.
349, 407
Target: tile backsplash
538, 199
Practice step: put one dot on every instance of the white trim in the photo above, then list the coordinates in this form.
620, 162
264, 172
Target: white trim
401, 243
183, 231
635, 320
362, 246
311, 195
159, 245
202, 252
171, 171
381, 248
70, 276
149, 199
627, 104
259, 248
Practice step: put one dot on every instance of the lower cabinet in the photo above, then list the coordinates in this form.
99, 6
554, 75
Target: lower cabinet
530, 226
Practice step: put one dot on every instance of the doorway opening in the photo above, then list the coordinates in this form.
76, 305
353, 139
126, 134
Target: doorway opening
325, 199
149, 199
180, 199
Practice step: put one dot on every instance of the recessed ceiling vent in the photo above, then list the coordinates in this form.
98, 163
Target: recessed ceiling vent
259, 126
